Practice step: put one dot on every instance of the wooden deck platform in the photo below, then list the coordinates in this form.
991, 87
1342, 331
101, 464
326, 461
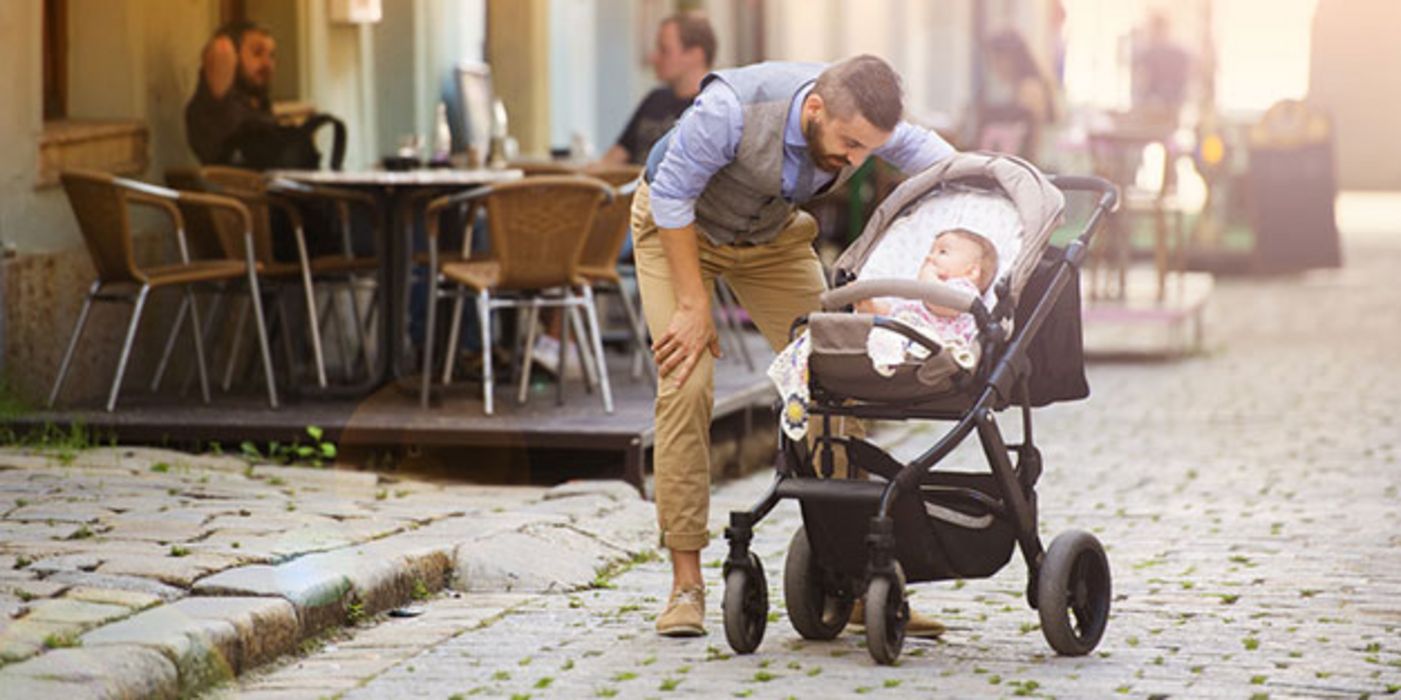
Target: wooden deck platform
391, 418
1140, 325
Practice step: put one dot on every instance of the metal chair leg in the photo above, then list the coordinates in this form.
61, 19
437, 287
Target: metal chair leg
363, 355
591, 312
126, 346
454, 333
335, 303
215, 308
72, 343
639, 337
235, 345
564, 332
581, 347
170, 344
425, 386
196, 330
532, 325
254, 296
284, 331
484, 319
310, 295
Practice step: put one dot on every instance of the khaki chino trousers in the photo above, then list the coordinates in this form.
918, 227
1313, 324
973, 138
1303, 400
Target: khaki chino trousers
775, 282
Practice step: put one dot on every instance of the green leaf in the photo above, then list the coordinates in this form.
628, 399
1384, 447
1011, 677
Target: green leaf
328, 450
305, 451
248, 448
315, 432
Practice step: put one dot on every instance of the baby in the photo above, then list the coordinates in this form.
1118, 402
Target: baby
958, 258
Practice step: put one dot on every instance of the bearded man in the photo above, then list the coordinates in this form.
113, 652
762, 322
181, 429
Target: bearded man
235, 82
721, 197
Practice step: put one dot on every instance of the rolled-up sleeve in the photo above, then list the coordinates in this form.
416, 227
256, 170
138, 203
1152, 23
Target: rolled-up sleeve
704, 140
913, 149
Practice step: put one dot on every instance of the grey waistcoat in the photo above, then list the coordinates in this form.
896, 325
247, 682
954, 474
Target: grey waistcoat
743, 204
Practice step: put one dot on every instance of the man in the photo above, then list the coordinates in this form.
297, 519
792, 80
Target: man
685, 53
720, 198
235, 82
1161, 70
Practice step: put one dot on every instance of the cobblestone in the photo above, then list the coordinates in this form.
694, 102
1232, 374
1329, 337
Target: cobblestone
1246, 496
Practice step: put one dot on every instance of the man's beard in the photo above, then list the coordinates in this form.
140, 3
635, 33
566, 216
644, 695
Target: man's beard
260, 93
820, 158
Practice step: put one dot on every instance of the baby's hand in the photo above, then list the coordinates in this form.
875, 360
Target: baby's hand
871, 306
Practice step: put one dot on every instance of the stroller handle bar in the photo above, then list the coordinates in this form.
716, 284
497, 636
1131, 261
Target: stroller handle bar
929, 292
1108, 193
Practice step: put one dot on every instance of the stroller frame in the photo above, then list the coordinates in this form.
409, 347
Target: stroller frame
1068, 583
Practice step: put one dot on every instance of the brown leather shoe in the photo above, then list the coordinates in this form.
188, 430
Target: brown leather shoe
684, 615
920, 626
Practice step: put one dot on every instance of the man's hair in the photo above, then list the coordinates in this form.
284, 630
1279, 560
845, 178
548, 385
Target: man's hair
235, 30
862, 84
987, 255
695, 31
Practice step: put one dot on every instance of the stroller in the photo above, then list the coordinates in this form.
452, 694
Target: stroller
869, 537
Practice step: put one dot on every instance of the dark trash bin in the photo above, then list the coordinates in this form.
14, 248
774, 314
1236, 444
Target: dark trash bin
1293, 186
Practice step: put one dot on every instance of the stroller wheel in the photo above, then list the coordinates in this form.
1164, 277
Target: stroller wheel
746, 606
1073, 593
815, 614
886, 616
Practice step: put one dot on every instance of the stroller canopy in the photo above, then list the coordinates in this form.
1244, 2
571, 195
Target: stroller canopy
1036, 205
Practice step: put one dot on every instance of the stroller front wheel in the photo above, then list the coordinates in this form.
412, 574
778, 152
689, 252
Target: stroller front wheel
746, 606
815, 612
887, 613
1073, 592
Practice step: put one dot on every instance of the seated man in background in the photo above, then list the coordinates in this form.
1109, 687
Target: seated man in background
685, 53
235, 83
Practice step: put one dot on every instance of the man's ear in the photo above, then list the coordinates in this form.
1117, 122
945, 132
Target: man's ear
814, 104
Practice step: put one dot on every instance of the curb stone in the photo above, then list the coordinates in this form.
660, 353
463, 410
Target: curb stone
122, 672
243, 617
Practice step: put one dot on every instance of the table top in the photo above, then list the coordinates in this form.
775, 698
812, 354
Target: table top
432, 177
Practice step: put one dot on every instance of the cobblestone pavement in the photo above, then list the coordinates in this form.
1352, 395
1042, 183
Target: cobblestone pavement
1247, 498
137, 573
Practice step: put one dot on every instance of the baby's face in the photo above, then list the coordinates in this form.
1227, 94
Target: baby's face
951, 257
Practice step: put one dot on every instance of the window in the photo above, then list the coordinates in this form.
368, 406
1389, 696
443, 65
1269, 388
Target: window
55, 59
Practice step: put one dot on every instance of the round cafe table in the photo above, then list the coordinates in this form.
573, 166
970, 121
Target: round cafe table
398, 190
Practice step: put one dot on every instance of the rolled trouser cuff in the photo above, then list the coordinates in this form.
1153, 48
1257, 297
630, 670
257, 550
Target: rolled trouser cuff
685, 541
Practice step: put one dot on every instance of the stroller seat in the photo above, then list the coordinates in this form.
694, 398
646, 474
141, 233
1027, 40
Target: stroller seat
999, 197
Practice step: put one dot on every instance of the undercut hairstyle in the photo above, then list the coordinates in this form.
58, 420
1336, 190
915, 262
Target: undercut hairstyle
987, 255
862, 84
237, 29
695, 31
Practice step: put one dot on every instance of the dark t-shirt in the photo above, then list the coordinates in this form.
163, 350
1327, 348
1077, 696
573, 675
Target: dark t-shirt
209, 122
653, 118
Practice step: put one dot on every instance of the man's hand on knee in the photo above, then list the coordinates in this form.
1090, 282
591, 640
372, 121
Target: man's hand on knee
690, 333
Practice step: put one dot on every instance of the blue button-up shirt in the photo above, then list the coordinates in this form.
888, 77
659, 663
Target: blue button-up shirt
707, 139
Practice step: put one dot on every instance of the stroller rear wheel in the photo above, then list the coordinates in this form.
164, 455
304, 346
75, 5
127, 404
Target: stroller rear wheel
1073, 592
887, 613
814, 612
746, 606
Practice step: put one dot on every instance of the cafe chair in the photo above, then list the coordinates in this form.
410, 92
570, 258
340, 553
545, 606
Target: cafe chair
262, 195
599, 260
538, 227
102, 204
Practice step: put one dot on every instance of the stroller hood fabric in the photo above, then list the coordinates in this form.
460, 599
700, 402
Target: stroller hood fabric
1038, 203
838, 361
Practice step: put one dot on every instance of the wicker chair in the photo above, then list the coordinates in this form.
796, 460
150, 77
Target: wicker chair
538, 229
101, 203
261, 195
599, 261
